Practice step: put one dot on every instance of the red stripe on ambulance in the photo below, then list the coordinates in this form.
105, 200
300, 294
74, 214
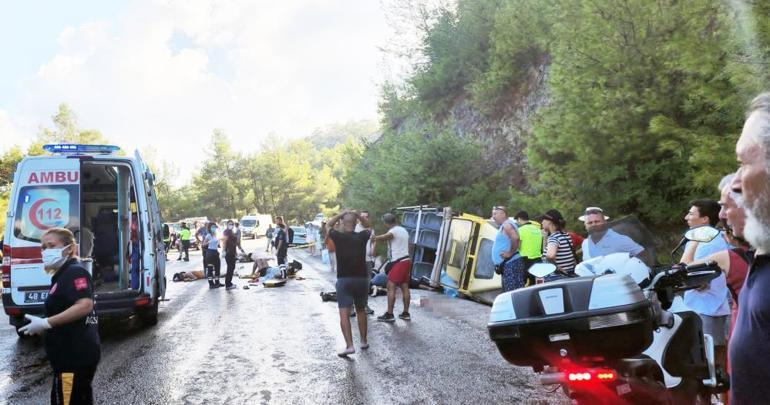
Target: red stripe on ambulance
25, 255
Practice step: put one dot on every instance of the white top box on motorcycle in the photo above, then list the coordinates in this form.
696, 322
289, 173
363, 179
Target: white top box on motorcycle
605, 316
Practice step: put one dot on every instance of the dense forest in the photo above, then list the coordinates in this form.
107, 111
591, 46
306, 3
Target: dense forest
643, 102
631, 105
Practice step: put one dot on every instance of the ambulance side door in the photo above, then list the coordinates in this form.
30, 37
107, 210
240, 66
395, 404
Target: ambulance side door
155, 227
46, 195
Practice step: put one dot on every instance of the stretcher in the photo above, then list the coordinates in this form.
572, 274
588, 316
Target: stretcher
274, 283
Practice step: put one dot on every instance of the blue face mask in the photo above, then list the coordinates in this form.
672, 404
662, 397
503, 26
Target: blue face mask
214, 229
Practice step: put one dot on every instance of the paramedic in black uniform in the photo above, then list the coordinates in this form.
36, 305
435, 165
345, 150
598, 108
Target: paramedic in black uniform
71, 326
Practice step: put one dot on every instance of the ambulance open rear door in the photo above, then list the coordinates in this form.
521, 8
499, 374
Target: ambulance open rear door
46, 195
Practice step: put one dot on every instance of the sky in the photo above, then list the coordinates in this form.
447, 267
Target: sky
166, 73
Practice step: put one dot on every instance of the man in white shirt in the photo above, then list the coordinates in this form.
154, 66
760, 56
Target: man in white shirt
400, 266
710, 301
601, 240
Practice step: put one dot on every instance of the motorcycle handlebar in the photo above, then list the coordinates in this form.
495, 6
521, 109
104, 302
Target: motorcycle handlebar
702, 267
676, 276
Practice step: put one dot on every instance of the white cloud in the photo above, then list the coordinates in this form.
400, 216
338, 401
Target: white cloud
169, 72
10, 134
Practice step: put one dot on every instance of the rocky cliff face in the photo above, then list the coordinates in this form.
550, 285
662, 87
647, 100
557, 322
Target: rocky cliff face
505, 131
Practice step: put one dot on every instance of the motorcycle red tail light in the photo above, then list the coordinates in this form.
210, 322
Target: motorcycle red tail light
591, 375
579, 376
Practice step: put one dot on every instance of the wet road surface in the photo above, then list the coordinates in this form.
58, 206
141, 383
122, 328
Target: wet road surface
278, 345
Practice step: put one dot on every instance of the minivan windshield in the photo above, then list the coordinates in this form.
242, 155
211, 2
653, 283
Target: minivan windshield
43, 207
248, 222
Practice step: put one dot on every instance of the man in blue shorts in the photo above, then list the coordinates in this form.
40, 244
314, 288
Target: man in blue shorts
352, 274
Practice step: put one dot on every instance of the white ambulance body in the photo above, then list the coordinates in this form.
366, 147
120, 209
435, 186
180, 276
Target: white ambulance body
105, 200
255, 225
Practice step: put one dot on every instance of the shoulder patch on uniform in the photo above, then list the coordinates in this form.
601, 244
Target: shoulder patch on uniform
81, 283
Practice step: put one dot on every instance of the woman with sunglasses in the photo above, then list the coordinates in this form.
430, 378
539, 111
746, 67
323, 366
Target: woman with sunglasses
70, 326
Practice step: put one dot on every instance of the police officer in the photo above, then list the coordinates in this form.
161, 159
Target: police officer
184, 240
71, 326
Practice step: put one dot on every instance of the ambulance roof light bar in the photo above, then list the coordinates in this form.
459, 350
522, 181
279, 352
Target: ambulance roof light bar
73, 148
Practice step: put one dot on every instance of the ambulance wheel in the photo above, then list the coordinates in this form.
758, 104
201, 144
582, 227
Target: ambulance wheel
18, 322
149, 315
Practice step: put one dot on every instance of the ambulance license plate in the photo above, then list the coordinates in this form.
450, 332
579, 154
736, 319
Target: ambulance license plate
35, 297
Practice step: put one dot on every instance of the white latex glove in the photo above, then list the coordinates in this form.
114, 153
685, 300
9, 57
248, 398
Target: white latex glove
36, 325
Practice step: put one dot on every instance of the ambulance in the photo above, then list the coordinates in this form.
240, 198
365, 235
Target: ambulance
109, 203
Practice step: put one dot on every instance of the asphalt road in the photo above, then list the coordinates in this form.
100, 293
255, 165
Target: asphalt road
278, 345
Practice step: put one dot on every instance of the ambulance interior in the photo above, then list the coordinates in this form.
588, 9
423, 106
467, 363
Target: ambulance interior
108, 216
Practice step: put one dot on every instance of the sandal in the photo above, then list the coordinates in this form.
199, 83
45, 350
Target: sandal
346, 352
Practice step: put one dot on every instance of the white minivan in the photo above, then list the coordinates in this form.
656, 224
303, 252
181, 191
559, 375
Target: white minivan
108, 201
255, 225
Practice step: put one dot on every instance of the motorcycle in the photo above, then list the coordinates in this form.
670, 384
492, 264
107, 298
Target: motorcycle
617, 334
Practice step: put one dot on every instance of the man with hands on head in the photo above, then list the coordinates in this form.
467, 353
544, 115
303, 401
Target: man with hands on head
352, 274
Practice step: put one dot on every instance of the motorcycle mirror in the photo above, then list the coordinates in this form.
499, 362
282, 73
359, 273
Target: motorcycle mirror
702, 234
542, 269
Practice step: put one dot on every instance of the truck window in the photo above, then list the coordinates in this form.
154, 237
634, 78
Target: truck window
460, 235
42, 207
484, 267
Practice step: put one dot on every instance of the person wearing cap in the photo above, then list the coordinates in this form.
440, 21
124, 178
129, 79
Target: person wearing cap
557, 245
531, 241
602, 240
505, 251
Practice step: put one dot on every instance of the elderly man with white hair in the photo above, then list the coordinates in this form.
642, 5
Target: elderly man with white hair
750, 342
